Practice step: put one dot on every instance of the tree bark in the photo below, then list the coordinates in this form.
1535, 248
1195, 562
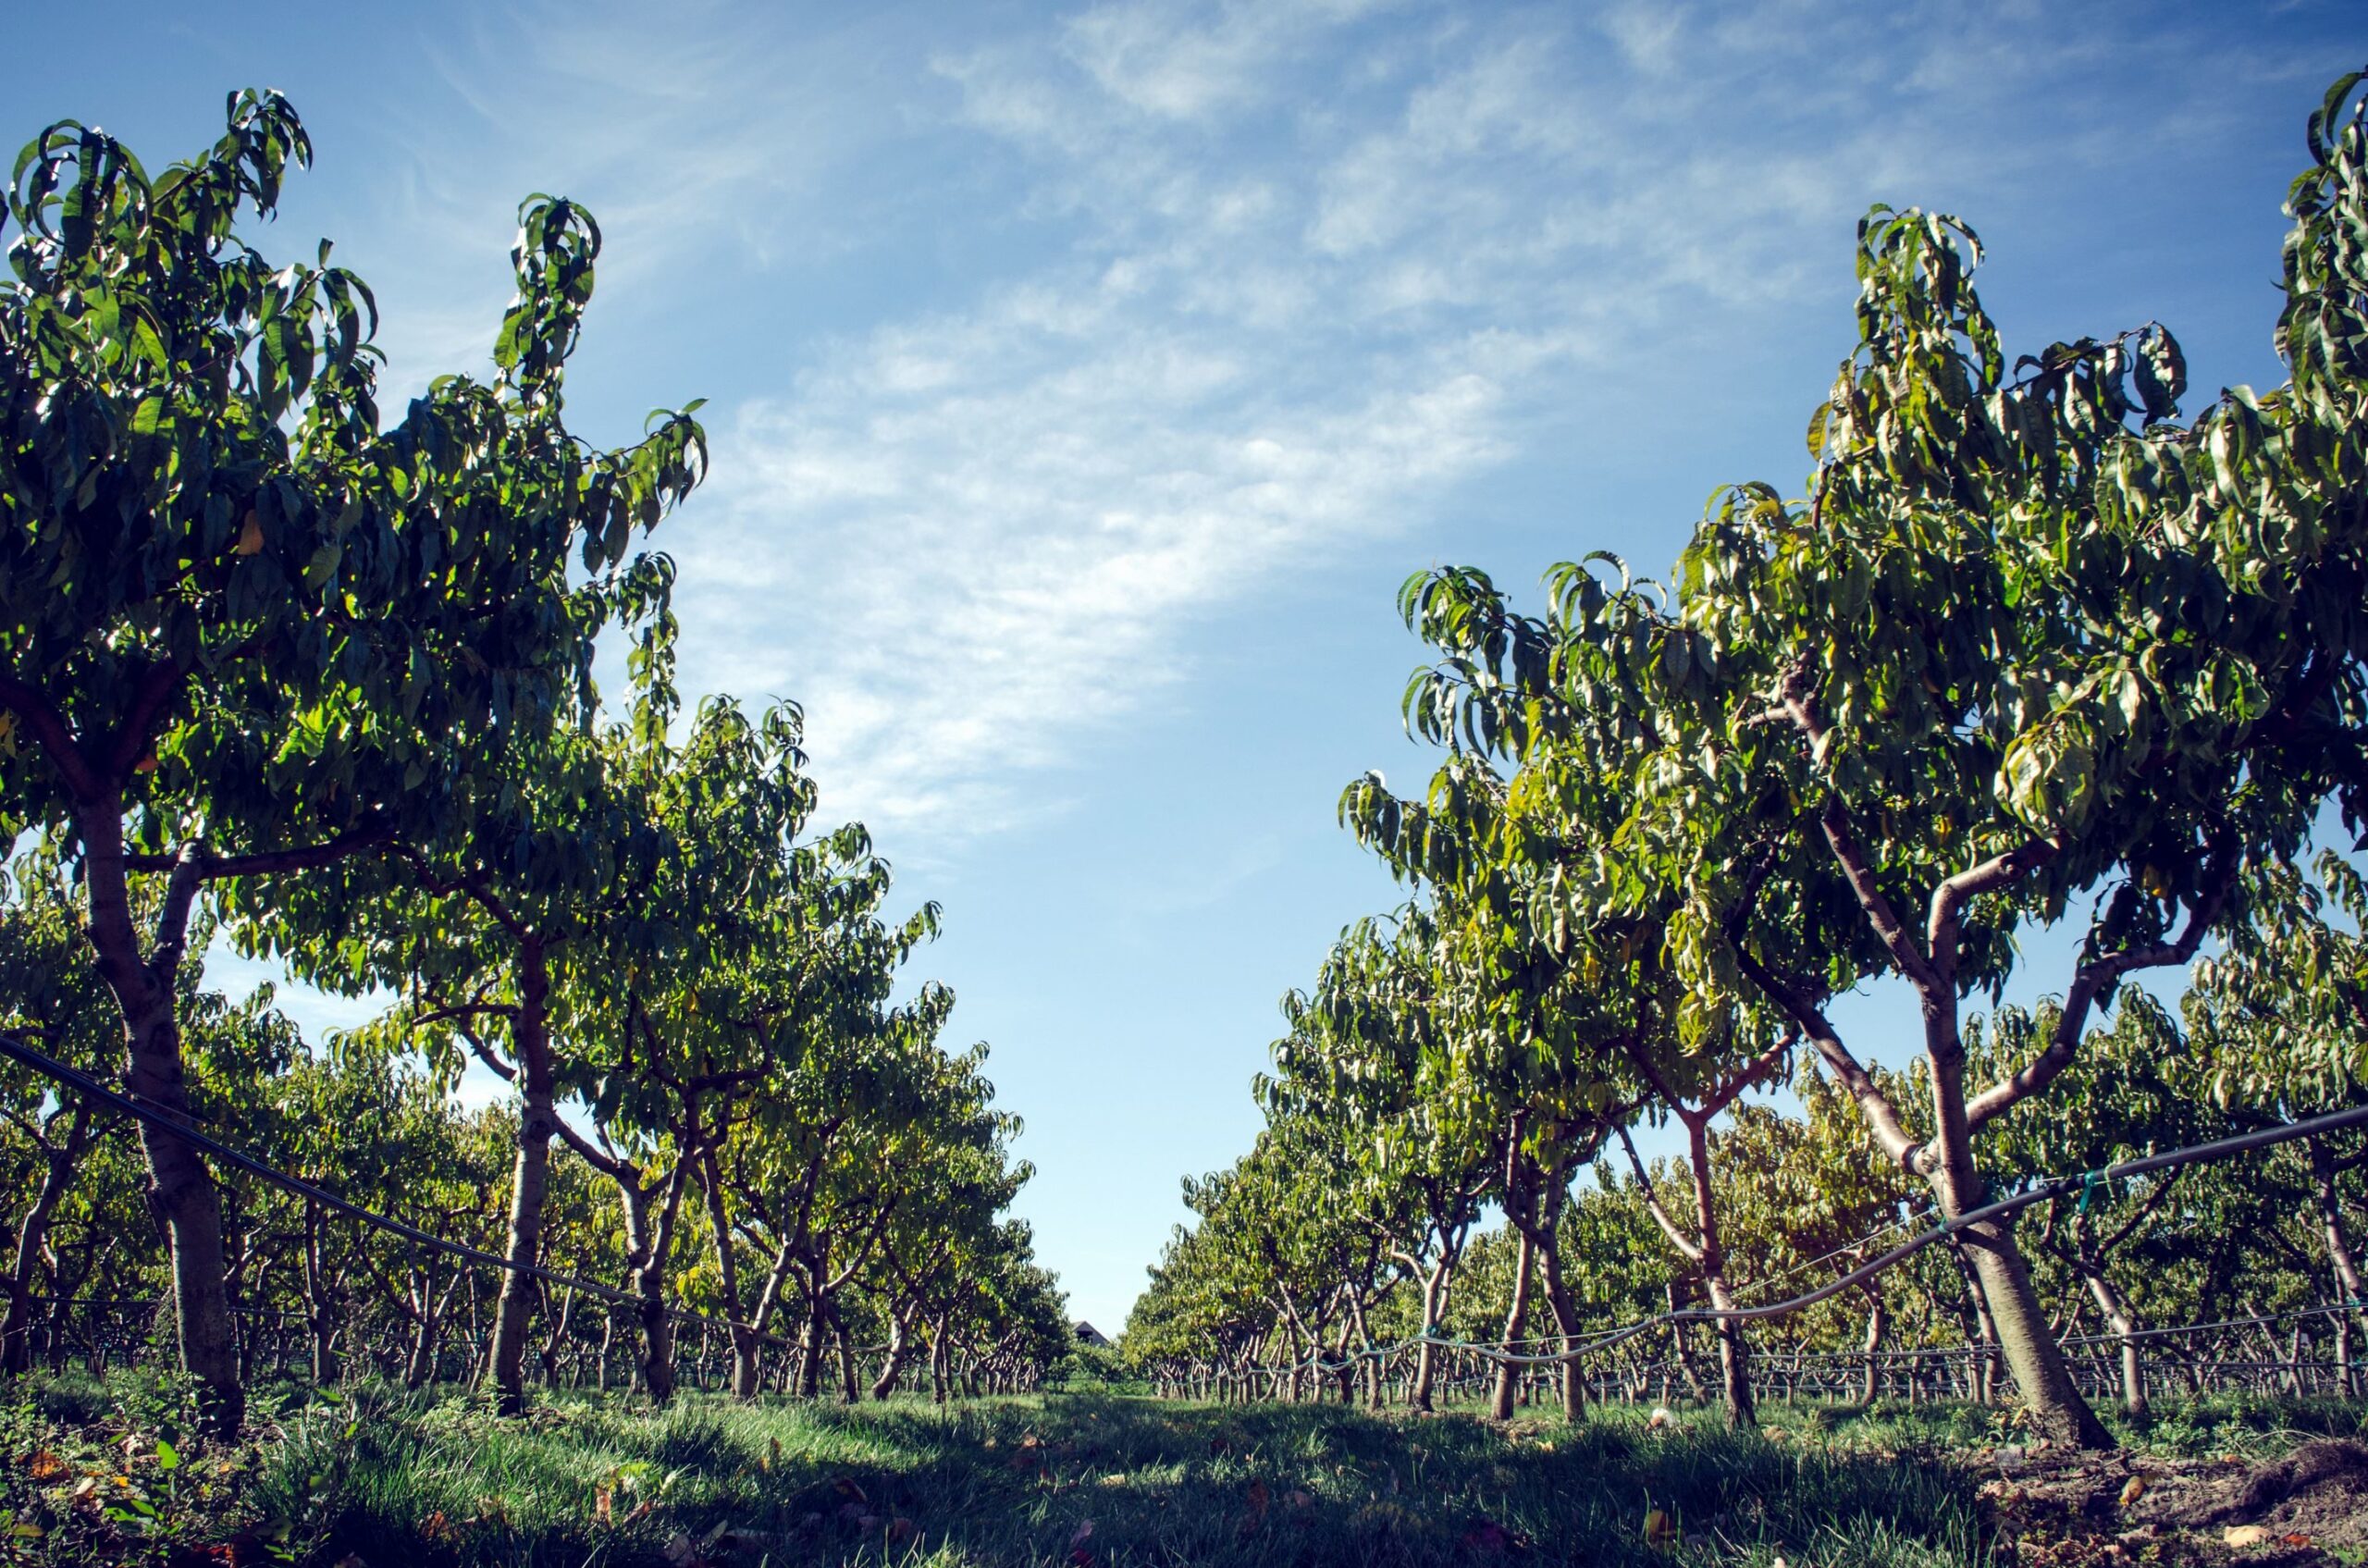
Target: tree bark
1560, 1301
2341, 1259
1878, 1319
900, 1343
181, 1193
1418, 1395
1733, 1354
747, 1376
537, 1119
727, 1266
320, 1316
2033, 1358
32, 1240
1507, 1376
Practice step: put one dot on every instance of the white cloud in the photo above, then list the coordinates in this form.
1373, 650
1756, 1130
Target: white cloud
1262, 283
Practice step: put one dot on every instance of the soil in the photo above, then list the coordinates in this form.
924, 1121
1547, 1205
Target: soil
2067, 1510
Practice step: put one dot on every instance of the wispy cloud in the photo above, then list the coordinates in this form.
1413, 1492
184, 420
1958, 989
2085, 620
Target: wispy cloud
1241, 288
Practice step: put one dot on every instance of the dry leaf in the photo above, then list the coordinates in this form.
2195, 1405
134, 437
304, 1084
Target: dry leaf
45, 1466
2242, 1536
604, 1506
1658, 1528
1082, 1534
2132, 1489
901, 1529
250, 535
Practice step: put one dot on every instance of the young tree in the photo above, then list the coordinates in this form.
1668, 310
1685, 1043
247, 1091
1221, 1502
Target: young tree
2027, 642
243, 629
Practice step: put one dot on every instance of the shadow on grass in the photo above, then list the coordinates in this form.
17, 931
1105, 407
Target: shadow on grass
1091, 1480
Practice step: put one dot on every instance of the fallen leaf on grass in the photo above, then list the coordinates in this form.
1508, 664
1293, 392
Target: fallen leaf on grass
2297, 1539
2132, 1489
45, 1466
1658, 1528
2242, 1536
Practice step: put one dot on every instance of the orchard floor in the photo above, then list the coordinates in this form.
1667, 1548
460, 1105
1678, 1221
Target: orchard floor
389, 1480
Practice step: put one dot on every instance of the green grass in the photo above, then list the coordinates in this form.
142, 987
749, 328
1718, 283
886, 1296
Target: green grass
396, 1479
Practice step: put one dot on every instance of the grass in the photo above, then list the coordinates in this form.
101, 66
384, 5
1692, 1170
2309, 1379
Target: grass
391, 1479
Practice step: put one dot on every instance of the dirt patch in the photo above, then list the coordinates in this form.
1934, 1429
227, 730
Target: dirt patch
2070, 1510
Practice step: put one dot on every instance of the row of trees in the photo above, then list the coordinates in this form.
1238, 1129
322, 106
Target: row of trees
865, 1186
1318, 1245
277, 673
2031, 652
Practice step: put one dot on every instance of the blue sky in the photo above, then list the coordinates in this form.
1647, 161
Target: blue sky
1084, 380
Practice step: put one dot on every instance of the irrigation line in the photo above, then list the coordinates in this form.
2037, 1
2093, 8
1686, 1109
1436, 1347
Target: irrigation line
2332, 1309
91, 1089
2219, 1149
1846, 1248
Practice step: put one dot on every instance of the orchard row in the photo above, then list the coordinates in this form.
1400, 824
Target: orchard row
2039, 684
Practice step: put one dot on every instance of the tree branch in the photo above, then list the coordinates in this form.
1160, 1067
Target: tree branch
1949, 900
1841, 837
47, 728
1677, 1238
215, 868
2092, 978
1882, 1117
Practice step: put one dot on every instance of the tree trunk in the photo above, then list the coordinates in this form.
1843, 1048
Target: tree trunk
1559, 1299
747, 1375
1985, 1328
1369, 1363
900, 1344
320, 1317
727, 1268
2032, 1356
1878, 1319
181, 1193
536, 1119
2341, 1258
1734, 1355
650, 1244
1427, 1359
850, 1392
32, 1239
2117, 1318
1508, 1375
